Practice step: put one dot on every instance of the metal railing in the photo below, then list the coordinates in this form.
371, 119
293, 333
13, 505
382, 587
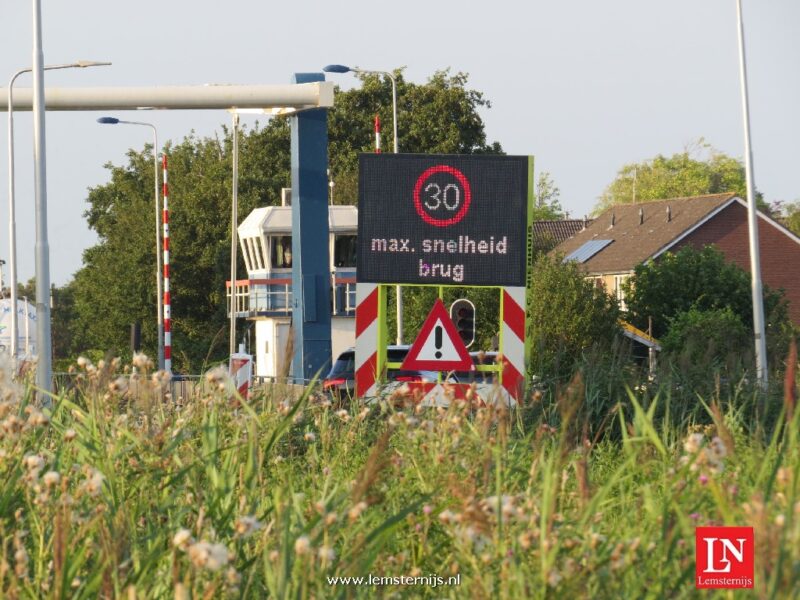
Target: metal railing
261, 296
274, 295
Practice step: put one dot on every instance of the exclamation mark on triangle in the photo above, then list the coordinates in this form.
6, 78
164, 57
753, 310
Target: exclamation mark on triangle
437, 332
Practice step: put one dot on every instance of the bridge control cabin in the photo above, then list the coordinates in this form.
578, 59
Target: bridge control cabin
265, 297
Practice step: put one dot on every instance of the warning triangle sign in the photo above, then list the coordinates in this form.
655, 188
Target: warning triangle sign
438, 346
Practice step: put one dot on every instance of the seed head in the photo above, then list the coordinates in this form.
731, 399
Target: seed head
51, 478
245, 526
209, 556
302, 545
182, 539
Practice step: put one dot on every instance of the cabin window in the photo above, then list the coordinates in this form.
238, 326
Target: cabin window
281, 251
344, 251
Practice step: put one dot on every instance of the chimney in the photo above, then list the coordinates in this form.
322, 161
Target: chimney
584, 223
669, 213
613, 219
641, 216
286, 196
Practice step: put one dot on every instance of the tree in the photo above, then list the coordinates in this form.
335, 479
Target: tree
547, 206
787, 213
117, 286
567, 316
699, 169
699, 280
702, 343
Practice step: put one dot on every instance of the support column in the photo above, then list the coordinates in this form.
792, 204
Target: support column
311, 278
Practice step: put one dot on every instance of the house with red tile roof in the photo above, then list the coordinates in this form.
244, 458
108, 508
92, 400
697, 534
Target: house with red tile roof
609, 248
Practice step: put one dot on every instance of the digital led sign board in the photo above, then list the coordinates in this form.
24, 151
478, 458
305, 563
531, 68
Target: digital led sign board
442, 219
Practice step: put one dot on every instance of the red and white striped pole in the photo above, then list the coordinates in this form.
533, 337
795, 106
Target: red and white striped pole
167, 303
377, 134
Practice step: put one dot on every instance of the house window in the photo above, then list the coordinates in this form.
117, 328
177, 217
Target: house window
344, 251
281, 251
619, 292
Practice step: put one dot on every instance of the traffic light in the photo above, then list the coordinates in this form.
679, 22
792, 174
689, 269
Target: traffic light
462, 313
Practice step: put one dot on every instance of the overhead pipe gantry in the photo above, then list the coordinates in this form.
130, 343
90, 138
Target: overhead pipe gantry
305, 100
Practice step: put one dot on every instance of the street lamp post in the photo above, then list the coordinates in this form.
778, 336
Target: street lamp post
12, 226
234, 233
160, 299
345, 69
759, 328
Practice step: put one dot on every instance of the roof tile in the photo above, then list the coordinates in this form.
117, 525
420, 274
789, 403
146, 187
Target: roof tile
634, 242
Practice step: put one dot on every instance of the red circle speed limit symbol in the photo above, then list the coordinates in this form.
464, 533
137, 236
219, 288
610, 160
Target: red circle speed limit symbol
442, 196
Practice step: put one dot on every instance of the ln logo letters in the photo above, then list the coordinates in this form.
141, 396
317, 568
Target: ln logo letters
724, 557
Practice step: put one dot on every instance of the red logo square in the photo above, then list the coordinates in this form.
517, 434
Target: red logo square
724, 557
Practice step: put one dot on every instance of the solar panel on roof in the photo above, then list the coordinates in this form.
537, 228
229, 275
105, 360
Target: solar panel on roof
587, 250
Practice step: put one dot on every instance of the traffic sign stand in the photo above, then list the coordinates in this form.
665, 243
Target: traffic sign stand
438, 346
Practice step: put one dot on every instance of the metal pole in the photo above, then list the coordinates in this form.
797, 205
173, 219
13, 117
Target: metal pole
234, 224
27, 330
759, 329
279, 99
44, 371
157, 206
398, 289
12, 224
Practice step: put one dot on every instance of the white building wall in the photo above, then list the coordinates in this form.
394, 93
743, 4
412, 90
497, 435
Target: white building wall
343, 335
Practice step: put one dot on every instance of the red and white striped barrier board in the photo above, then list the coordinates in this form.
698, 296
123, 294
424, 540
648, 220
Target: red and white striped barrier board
366, 339
242, 373
512, 348
512, 341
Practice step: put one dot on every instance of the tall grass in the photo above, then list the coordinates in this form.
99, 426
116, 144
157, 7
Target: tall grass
111, 495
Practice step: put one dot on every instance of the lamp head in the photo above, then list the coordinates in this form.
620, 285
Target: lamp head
91, 63
108, 120
336, 69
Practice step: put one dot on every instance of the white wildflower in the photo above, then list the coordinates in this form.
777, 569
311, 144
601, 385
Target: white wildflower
51, 478
142, 361
33, 462
302, 545
693, 443
326, 554
94, 483
247, 525
182, 539
208, 556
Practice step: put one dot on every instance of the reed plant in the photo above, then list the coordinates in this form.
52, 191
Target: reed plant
110, 494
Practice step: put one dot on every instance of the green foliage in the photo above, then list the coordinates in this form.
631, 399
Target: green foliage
547, 205
698, 170
418, 302
704, 281
567, 316
440, 116
701, 343
788, 213
117, 284
121, 494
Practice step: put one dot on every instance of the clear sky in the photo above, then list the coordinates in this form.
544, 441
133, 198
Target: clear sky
585, 86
